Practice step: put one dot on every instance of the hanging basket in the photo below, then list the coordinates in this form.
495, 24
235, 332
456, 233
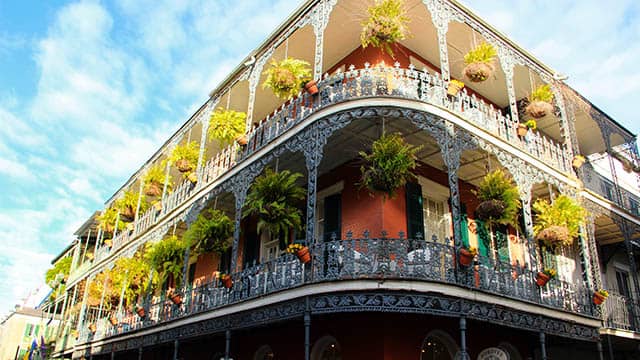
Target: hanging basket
184, 165
539, 109
140, 311
598, 298
522, 130
542, 278
478, 72
127, 214
490, 209
303, 255
465, 257
153, 189
311, 87
554, 235
176, 299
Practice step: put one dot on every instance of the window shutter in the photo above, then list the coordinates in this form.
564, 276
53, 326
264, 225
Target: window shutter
251, 248
464, 225
415, 216
332, 216
27, 330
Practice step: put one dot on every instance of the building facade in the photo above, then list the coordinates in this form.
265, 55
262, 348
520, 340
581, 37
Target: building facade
384, 271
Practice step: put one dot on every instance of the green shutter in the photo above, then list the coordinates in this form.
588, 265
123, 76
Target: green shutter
484, 239
27, 330
415, 217
37, 332
332, 216
464, 225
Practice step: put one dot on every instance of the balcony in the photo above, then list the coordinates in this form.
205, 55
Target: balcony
621, 312
604, 187
392, 83
365, 259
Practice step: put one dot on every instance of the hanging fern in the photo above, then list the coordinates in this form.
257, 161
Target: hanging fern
210, 232
185, 157
389, 165
132, 273
226, 125
273, 197
387, 24
500, 199
287, 77
166, 257
558, 222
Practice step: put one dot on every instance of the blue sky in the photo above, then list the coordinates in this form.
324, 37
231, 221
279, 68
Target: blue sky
89, 90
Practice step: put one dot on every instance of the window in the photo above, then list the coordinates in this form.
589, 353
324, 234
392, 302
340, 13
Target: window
437, 218
329, 212
438, 345
622, 280
270, 248
326, 348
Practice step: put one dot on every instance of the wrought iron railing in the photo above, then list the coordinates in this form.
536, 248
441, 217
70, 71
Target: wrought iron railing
604, 187
621, 312
367, 258
354, 84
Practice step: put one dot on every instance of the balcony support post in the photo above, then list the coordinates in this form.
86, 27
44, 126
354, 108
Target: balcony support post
136, 215
83, 307
451, 149
507, 64
319, 20
599, 347
204, 120
140, 353
543, 346
113, 355
441, 14
592, 248
166, 179
227, 344
307, 331
176, 345
312, 150
463, 338
525, 198
627, 232
567, 120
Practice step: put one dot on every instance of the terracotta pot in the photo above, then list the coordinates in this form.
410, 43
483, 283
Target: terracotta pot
242, 140
539, 109
227, 282
311, 87
153, 189
598, 299
453, 89
542, 278
184, 165
113, 320
176, 299
140, 311
577, 161
465, 257
92, 328
478, 72
303, 255
522, 130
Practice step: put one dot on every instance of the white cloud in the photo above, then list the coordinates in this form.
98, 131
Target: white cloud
14, 169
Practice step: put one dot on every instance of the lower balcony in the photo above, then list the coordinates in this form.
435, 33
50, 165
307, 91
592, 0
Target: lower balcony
420, 265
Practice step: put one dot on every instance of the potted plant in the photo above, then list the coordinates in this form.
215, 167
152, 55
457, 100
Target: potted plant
166, 258
210, 232
386, 25
154, 180
226, 280
107, 221
600, 296
500, 201
175, 297
578, 161
540, 102
479, 62
542, 277
132, 274
185, 157
287, 77
301, 251
523, 128
273, 198
92, 327
557, 223
454, 87
113, 319
389, 164
227, 126
128, 204
75, 333
466, 255
139, 310
108, 242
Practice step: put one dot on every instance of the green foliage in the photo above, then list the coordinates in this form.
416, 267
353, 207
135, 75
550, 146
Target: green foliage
542, 93
211, 232
273, 197
62, 266
189, 152
563, 212
226, 125
387, 24
129, 202
388, 166
285, 78
531, 124
156, 174
497, 186
483, 53
102, 289
166, 258
133, 274
107, 220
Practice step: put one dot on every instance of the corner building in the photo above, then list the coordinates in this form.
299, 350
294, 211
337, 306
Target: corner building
384, 280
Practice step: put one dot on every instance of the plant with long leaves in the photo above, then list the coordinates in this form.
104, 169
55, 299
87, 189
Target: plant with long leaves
226, 125
273, 198
287, 77
558, 222
500, 200
185, 156
128, 204
387, 24
107, 221
389, 165
132, 274
166, 258
210, 232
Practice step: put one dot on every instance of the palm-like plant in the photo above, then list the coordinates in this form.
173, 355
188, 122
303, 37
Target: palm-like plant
273, 197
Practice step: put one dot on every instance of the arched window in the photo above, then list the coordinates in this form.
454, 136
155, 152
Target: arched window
326, 348
438, 345
264, 353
